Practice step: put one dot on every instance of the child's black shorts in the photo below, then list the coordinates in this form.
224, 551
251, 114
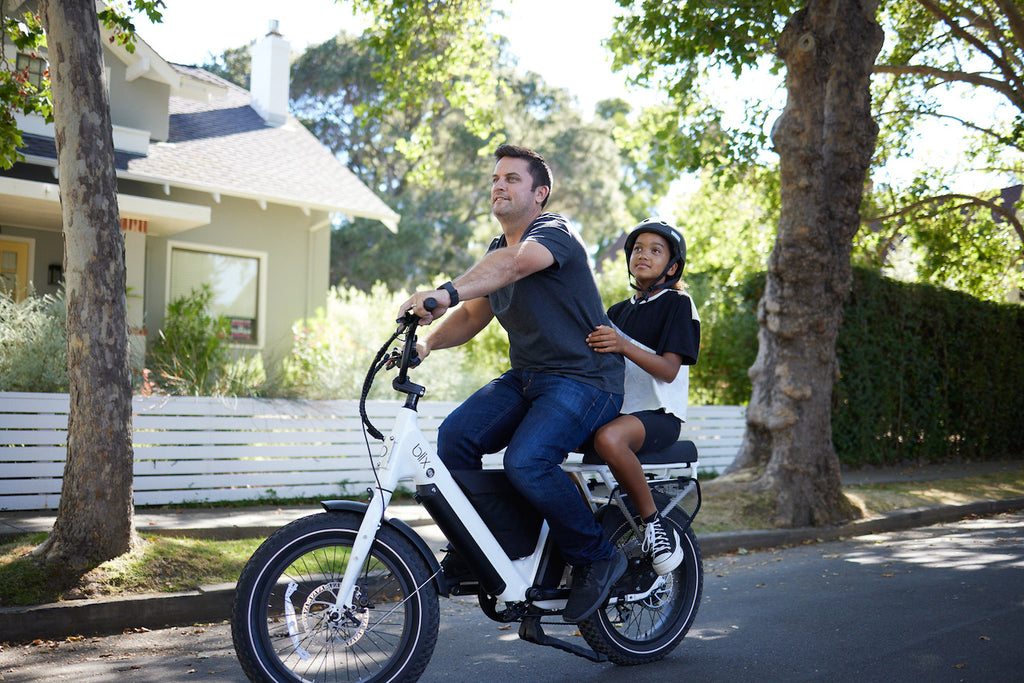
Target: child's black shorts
661, 429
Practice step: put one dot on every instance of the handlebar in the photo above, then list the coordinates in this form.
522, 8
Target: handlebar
404, 359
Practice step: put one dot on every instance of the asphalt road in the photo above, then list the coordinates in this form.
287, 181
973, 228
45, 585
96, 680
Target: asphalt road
942, 603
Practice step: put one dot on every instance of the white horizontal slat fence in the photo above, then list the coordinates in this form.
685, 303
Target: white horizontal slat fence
222, 449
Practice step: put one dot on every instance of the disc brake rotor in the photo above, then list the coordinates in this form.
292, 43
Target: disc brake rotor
321, 616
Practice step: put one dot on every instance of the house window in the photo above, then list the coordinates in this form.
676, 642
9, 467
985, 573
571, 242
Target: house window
35, 66
236, 279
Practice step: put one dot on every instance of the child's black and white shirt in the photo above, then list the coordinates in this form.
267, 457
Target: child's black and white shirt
666, 322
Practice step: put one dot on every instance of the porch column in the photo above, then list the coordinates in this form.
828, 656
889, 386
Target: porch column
134, 231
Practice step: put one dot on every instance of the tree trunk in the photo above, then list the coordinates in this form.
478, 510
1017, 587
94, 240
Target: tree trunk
825, 138
95, 518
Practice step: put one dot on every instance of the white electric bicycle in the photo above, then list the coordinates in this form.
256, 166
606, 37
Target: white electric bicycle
350, 594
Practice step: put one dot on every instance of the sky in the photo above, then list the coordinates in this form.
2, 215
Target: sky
558, 39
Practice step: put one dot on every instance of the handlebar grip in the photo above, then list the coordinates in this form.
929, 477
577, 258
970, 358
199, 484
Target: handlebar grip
430, 303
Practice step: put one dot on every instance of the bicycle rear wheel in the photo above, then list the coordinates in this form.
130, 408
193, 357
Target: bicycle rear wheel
648, 629
285, 626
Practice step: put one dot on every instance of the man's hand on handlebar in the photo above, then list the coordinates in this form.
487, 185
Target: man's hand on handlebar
395, 359
419, 305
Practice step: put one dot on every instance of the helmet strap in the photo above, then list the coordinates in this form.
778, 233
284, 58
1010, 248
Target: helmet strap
662, 283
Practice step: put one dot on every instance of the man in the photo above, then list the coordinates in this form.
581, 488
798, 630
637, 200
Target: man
536, 279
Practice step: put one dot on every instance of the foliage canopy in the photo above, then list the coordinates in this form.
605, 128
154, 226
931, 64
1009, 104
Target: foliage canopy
939, 57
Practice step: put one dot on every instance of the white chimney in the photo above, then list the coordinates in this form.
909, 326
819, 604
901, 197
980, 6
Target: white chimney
269, 76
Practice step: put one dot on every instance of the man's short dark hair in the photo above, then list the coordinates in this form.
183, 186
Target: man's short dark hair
540, 172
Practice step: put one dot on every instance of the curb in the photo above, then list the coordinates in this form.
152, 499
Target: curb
108, 616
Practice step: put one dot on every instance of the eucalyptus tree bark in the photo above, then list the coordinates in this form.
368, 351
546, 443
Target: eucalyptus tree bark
95, 517
825, 138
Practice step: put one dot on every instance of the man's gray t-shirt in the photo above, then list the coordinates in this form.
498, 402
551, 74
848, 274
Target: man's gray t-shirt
549, 314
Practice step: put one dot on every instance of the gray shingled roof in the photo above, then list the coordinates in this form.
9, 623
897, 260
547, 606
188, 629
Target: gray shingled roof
45, 148
224, 146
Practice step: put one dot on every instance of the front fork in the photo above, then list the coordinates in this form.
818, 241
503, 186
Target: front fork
388, 472
361, 545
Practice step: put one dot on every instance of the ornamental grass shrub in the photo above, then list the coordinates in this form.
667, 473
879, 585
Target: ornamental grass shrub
33, 344
332, 352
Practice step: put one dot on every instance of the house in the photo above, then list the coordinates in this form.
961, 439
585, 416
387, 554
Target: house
216, 185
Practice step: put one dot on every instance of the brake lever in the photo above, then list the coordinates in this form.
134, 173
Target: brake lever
395, 357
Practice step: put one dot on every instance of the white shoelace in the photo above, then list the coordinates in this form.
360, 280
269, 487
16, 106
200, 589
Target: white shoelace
656, 540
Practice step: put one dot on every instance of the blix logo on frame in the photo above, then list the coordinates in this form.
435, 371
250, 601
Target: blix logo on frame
420, 454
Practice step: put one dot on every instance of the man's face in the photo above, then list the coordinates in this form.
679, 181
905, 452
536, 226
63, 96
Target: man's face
511, 193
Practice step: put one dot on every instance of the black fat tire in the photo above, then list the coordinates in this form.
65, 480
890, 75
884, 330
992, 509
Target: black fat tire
392, 640
647, 631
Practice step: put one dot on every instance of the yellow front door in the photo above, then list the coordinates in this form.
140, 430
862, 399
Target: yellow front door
14, 269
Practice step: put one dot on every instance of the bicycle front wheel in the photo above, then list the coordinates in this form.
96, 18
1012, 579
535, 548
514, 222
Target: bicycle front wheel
285, 623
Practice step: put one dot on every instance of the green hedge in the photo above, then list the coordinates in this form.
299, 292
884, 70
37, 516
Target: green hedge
927, 374
728, 338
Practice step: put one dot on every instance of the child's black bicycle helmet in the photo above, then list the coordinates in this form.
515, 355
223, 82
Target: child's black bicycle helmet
675, 242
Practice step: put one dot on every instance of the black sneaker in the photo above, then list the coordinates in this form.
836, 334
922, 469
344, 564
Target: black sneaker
664, 549
591, 584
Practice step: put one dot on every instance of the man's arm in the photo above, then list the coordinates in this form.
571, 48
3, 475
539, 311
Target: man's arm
458, 328
497, 269
502, 267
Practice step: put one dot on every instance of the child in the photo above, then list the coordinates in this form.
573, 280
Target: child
657, 330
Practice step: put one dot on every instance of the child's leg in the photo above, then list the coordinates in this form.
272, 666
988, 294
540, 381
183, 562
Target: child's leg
617, 442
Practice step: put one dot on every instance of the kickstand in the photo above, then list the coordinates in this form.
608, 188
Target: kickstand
530, 630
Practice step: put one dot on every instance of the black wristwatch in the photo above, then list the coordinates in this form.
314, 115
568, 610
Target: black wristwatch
453, 293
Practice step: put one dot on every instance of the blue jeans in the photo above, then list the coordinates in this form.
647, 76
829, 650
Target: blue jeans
537, 418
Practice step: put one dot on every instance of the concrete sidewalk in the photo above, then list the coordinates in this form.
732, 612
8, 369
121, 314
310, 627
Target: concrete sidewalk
213, 603
216, 523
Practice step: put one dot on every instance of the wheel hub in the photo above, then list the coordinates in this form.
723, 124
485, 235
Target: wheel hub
321, 617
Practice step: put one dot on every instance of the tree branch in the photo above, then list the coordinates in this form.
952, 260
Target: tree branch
970, 125
969, 200
1011, 9
958, 30
947, 76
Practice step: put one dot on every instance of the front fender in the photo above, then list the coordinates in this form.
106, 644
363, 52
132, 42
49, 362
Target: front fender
398, 525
